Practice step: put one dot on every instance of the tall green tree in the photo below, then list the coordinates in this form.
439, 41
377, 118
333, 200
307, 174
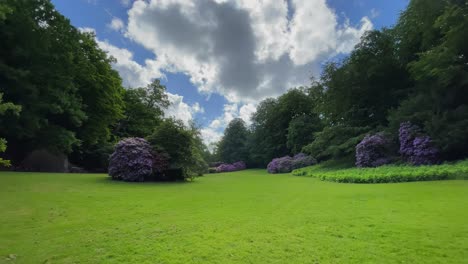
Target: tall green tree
144, 110
69, 94
439, 99
233, 145
272, 120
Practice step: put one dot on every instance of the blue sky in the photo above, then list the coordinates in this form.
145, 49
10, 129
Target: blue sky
234, 54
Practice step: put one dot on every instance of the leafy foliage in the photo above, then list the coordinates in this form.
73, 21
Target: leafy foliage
233, 145
388, 173
64, 83
132, 160
183, 146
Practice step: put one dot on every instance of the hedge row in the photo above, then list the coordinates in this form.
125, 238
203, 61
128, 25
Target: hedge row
386, 174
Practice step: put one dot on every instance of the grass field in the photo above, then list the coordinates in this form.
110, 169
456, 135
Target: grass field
242, 217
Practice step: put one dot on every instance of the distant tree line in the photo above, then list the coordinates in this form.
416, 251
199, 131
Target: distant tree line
416, 71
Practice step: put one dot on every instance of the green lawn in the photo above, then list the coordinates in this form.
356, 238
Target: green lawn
241, 217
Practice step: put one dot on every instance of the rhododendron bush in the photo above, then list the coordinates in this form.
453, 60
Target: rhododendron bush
372, 151
132, 160
415, 147
287, 164
236, 166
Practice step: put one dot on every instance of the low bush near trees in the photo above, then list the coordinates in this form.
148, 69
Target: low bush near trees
287, 164
388, 173
236, 166
132, 160
415, 147
372, 151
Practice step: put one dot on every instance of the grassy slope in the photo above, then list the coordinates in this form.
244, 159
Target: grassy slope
242, 217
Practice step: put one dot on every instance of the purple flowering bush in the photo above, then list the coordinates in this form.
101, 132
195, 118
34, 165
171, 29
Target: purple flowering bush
132, 160
302, 160
372, 151
287, 164
423, 153
236, 166
416, 148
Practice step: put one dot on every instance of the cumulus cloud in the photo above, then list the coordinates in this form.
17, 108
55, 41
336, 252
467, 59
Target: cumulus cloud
214, 131
245, 50
181, 110
116, 24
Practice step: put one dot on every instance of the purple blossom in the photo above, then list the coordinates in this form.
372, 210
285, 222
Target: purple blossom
236, 166
416, 148
287, 164
372, 151
424, 153
132, 160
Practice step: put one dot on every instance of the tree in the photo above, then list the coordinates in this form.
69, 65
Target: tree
69, 93
182, 144
271, 122
4, 108
438, 101
301, 132
233, 145
143, 110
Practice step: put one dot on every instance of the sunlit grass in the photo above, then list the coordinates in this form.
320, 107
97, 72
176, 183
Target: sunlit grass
242, 217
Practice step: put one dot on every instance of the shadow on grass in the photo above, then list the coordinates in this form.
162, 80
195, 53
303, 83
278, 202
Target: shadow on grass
109, 180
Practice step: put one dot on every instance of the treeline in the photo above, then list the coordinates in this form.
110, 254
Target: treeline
415, 72
63, 95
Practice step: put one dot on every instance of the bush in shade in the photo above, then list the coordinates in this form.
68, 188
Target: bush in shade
372, 151
302, 160
423, 153
132, 160
287, 164
240, 165
415, 147
280, 165
406, 135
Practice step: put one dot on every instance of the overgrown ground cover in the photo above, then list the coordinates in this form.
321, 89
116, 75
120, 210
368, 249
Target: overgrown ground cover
241, 217
384, 174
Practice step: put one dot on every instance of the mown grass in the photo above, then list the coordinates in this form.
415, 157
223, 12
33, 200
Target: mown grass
242, 217
385, 174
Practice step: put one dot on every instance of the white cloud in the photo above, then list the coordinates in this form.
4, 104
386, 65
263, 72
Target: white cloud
181, 110
116, 24
132, 73
125, 3
245, 50
214, 131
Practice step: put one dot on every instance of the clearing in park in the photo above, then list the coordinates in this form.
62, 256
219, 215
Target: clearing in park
242, 217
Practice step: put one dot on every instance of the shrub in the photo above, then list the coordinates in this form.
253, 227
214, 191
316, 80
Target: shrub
212, 170
415, 147
424, 153
132, 160
372, 151
388, 173
301, 160
280, 165
236, 166
287, 164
